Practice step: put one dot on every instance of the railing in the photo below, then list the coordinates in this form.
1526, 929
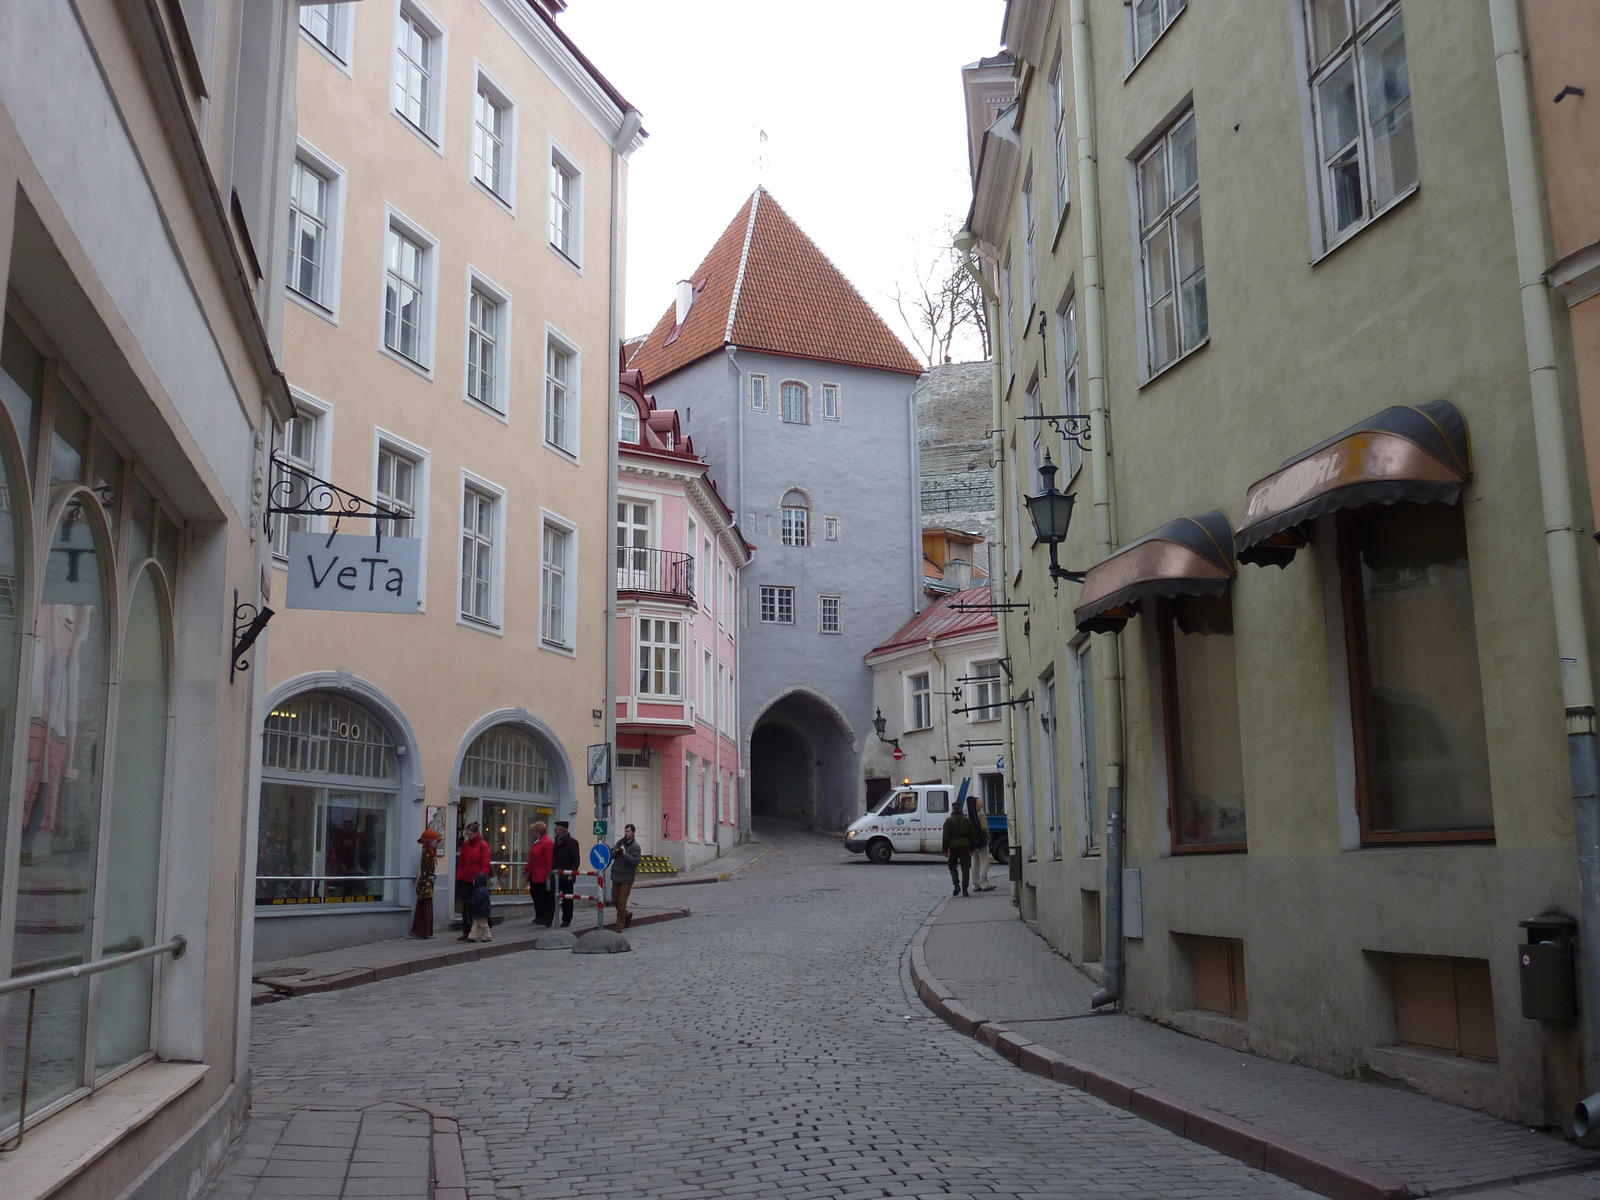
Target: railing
662, 572
320, 887
66, 974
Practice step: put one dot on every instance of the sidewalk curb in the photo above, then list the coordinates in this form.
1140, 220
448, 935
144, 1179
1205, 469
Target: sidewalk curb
1288, 1158
364, 975
723, 878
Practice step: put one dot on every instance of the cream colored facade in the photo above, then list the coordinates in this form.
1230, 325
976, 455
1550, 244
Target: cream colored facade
518, 651
1315, 937
142, 153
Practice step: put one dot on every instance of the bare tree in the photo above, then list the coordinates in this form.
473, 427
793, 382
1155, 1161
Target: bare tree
944, 301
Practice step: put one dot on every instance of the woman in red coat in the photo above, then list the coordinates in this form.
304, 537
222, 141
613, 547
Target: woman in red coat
537, 872
472, 860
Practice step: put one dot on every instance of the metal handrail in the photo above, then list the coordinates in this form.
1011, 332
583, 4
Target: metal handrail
332, 878
661, 572
24, 983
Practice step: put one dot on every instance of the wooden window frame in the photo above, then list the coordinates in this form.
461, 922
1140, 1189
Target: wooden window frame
1171, 731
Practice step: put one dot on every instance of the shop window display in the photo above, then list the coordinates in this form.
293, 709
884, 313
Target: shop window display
513, 784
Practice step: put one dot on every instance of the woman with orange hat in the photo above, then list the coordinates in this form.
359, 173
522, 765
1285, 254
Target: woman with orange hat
422, 919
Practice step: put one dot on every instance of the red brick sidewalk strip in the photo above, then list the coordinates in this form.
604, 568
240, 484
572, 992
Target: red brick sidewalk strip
1311, 1168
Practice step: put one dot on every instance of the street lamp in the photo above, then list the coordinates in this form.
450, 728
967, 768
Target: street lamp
878, 723
1051, 512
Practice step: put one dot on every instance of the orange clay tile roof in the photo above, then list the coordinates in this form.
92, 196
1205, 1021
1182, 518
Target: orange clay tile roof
765, 286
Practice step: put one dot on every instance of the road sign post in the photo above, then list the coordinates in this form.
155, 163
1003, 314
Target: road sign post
600, 829
600, 859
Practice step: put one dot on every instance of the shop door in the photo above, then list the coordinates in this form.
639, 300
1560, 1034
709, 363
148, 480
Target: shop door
639, 805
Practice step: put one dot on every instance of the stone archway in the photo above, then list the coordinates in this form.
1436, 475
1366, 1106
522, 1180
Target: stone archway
803, 763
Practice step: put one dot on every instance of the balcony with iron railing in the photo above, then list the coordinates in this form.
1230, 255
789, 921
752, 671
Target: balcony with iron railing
667, 574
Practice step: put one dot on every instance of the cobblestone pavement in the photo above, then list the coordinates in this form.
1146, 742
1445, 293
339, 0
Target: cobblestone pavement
767, 1047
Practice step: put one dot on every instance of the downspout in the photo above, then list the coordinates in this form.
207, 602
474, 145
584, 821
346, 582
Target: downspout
1563, 539
631, 121
746, 816
916, 494
944, 698
1105, 535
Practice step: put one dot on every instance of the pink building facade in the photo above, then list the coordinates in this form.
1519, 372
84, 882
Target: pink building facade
678, 554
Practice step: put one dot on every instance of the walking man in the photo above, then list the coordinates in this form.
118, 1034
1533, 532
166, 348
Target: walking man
537, 871
958, 851
472, 860
564, 861
625, 857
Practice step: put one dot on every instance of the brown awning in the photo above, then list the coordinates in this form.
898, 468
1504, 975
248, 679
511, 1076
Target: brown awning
1192, 556
1419, 454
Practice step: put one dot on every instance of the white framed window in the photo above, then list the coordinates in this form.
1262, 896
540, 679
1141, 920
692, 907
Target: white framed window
1071, 397
627, 419
419, 60
488, 349
633, 545
1029, 229
493, 125
1171, 247
482, 523
304, 443
1008, 300
408, 277
1147, 21
327, 27
725, 687
1365, 143
828, 614
1037, 435
920, 709
399, 479
660, 658
830, 529
777, 605
707, 696
566, 207
560, 394
310, 201
1059, 137
555, 570
796, 399
795, 524
758, 393
986, 693
830, 402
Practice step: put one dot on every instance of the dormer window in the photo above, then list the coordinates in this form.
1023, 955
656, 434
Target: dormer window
627, 420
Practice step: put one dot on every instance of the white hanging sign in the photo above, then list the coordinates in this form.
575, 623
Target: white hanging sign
354, 572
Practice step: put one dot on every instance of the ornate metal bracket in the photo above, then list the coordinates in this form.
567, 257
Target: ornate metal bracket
1008, 606
1073, 427
297, 492
248, 622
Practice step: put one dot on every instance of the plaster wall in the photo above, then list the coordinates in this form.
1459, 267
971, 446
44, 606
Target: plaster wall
927, 751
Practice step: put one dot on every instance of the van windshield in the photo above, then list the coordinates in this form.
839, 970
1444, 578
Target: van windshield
899, 804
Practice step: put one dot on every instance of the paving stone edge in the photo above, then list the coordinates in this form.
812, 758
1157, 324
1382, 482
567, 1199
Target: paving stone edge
723, 878
1316, 1170
363, 975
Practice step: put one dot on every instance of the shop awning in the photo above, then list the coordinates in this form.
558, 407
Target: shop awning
1192, 556
1419, 453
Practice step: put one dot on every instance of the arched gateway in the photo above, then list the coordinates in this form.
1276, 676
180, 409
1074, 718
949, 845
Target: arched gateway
803, 758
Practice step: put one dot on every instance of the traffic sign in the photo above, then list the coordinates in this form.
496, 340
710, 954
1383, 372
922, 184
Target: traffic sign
599, 829
600, 857
898, 754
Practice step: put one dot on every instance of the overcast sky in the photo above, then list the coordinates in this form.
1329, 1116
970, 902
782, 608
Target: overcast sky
861, 103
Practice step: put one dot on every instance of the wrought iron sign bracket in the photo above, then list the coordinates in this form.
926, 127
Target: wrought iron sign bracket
1004, 606
1072, 427
296, 492
248, 622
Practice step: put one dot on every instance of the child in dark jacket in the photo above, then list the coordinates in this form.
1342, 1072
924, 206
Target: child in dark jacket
476, 909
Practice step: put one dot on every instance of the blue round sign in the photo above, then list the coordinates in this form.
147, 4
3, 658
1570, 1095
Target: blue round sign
600, 857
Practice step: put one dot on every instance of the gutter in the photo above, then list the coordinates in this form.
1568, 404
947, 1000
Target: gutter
1563, 539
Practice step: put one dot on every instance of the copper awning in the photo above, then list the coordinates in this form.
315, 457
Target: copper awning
1192, 556
1419, 454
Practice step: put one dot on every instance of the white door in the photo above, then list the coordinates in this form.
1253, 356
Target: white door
902, 818
636, 805
936, 810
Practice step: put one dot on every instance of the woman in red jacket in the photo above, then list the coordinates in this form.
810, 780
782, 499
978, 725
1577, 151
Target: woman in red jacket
472, 860
537, 873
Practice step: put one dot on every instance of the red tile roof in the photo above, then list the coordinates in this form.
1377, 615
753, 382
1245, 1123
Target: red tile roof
765, 286
940, 620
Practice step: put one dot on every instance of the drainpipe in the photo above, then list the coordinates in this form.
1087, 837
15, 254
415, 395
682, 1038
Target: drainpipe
944, 688
1563, 538
631, 120
916, 494
1105, 535
746, 816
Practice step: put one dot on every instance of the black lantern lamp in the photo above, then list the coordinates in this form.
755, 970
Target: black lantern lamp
879, 724
1051, 512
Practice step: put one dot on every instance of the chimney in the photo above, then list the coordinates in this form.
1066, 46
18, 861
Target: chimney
958, 573
685, 298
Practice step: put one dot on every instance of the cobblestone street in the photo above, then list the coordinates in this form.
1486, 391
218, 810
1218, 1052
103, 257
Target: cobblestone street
769, 1046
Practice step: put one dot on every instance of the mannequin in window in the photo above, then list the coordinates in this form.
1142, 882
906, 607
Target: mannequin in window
422, 919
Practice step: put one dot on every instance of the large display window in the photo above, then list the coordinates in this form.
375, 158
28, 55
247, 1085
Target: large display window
514, 784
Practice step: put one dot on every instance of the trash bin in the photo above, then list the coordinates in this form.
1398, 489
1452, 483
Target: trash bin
1546, 967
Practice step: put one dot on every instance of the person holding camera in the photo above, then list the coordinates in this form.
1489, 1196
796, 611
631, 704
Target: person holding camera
625, 856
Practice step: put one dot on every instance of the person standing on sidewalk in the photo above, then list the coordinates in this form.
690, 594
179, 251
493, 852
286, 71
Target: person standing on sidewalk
472, 860
422, 919
564, 860
477, 910
537, 873
957, 847
625, 857
980, 845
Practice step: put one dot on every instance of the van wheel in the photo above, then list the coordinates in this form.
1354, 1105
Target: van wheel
1000, 849
879, 851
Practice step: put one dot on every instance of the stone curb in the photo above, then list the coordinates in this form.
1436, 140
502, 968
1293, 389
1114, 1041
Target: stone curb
1316, 1170
365, 975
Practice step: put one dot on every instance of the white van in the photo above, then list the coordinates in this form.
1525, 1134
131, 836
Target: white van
909, 820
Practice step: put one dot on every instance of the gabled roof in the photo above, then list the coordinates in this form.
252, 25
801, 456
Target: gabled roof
765, 286
941, 620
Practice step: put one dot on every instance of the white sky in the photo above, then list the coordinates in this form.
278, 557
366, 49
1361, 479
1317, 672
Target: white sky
861, 102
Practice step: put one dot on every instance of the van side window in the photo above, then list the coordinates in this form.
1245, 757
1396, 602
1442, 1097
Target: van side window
905, 802
938, 802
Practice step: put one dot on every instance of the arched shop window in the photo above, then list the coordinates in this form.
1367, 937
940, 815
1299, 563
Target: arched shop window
514, 785
84, 862
329, 778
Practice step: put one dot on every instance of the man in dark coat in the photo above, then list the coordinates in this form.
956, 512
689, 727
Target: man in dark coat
625, 857
564, 861
957, 847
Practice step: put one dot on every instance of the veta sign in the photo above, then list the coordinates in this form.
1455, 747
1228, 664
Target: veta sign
353, 572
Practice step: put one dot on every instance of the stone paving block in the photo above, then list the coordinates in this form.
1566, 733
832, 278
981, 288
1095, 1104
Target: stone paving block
1161, 1108
1009, 1046
396, 1189
349, 979
390, 971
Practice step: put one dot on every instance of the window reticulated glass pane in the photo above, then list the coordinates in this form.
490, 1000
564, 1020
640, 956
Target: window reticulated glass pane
1426, 742
1191, 276
308, 231
557, 366
1329, 22
627, 420
560, 208
508, 761
397, 475
488, 122
795, 531
830, 614
1340, 130
322, 734
758, 393
477, 553
402, 315
1394, 147
794, 403
553, 587
483, 320
412, 63
1210, 800
12, 580
319, 20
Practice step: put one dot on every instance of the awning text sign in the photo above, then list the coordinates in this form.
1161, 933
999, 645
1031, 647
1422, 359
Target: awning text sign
354, 572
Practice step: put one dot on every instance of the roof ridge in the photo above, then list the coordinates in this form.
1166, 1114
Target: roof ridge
744, 257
